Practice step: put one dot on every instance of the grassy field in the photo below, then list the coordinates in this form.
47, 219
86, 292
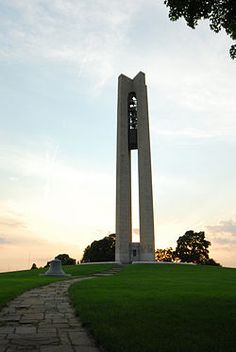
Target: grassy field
161, 308
14, 283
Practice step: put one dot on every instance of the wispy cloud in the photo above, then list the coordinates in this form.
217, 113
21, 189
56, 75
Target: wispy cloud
12, 223
223, 238
11, 220
224, 241
196, 133
79, 33
3, 240
57, 197
18, 239
224, 226
19, 252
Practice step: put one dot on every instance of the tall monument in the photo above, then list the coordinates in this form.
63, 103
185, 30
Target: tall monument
133, 133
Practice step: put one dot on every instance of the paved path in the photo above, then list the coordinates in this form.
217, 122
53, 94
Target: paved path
43, 320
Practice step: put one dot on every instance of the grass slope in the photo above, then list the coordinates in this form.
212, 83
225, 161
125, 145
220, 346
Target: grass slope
14, 283
161, 308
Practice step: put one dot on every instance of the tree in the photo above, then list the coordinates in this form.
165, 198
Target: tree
65, 260
100, 251
164, 255
211, 261
192, 247
221, 14
34, 266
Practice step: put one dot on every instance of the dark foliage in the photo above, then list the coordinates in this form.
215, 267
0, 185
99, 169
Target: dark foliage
100, 251
34, 266
220, 13
65, 260
211, 261
192, 247
164, 255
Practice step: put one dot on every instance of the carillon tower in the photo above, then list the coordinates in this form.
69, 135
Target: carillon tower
133, 133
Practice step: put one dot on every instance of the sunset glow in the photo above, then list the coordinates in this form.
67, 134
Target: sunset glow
59, 64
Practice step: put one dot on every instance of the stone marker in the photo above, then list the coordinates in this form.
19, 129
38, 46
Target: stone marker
55, 268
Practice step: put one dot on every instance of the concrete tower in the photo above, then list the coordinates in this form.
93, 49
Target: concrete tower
133, 133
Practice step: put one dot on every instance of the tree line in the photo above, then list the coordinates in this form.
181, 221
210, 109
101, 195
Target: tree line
192, 247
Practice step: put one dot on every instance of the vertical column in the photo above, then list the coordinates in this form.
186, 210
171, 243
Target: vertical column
145, 174
123, 175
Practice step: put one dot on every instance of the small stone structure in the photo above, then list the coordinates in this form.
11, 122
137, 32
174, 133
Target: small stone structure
55, 269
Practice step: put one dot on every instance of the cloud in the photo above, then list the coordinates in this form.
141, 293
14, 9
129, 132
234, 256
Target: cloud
195, 133
228, 226
13, 223
78, 33
19, 252
223, 236
3, 240
99, 41
225, 241
28, 161
29, 240
19, 240
56, 197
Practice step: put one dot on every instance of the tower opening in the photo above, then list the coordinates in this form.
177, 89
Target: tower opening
132, 120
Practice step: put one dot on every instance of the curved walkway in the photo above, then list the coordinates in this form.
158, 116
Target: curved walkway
43, 320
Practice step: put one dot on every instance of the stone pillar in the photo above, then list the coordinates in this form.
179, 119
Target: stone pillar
133, 133
146, 220
123, 175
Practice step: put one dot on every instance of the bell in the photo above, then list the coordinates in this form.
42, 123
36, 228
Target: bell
55, 268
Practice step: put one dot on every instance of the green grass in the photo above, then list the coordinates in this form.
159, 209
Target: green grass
161, 308
14, 283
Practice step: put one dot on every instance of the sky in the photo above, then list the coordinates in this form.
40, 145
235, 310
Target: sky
59, 65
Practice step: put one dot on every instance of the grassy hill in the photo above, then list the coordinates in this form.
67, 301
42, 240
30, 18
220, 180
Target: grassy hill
14, 283
161, 308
